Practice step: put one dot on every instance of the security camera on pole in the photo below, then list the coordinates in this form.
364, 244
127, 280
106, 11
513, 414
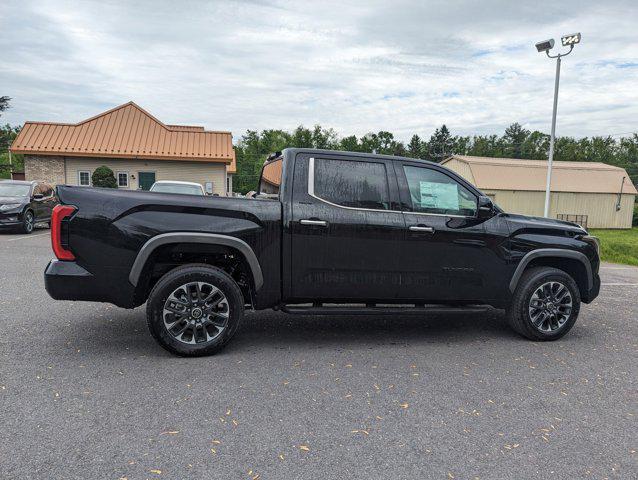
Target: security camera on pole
546, 46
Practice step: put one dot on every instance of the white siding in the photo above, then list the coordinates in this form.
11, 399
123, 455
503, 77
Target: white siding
199, 172
600, 208
462, 168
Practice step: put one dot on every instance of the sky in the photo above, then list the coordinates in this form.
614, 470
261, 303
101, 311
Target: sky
358, 67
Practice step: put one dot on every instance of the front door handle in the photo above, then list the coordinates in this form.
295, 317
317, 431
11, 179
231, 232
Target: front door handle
314, 223
419, 228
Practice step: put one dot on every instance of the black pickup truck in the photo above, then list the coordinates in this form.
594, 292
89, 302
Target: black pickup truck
327, 233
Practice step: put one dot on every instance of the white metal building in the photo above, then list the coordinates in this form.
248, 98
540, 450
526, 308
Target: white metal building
596, 195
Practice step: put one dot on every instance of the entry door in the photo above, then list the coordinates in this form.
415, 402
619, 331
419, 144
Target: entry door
146, 180
346, 229
446, 255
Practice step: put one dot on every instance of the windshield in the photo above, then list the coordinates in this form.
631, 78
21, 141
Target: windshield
177, 188
14, 190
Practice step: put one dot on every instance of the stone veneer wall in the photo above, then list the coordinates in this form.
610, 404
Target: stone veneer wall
46, 168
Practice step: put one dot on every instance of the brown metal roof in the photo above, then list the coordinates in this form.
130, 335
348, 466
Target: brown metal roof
127, 131
531, 175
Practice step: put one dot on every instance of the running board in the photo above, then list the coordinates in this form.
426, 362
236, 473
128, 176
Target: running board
381, 309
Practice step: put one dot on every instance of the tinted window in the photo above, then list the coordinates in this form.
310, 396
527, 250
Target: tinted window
352, 184
270, 181
435, 192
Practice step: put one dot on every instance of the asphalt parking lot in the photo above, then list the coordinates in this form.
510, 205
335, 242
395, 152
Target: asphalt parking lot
85, 392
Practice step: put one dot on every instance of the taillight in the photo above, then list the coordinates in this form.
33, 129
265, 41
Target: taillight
59, 239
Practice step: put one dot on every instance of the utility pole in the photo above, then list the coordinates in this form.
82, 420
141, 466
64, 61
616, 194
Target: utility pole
551, 140
546, 46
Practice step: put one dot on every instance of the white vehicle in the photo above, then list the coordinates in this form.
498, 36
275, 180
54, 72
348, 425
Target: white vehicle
173, 186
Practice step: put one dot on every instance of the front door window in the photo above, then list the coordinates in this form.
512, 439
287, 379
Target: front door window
434, 192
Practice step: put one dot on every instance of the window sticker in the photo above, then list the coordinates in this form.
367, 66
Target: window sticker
444, 196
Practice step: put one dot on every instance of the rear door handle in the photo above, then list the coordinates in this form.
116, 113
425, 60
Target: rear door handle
315, 223
417, 228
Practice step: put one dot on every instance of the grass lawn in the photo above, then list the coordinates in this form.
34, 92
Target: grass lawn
618, 246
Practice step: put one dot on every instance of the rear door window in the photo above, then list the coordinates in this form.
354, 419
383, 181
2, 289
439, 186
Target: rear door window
349, 183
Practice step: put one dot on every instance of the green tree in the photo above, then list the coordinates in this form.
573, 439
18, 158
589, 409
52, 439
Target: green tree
103, 177
415, 147
301, 138
7, 135
4, 103
461, 145
514, 140
324, 138
350, 144
440, 144
370, 143
536, 146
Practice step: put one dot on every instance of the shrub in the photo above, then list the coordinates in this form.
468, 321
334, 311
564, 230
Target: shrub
104, 177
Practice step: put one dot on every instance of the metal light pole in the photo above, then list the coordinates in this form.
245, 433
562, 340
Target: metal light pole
546, 46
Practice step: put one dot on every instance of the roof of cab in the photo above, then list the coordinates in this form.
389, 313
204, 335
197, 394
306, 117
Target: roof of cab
294, 151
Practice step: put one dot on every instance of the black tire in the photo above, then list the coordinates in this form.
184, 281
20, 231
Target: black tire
184, 277
521, 310
28, 222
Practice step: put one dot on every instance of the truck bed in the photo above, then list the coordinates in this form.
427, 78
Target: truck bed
111, 226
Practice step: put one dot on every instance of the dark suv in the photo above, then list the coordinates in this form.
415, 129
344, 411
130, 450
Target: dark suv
23, 204
328, 233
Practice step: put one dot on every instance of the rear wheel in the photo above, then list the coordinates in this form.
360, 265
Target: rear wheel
194, 310
545, 305
28, 222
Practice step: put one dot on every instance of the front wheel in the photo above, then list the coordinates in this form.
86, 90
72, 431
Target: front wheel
28, 222
194, 310
545, 304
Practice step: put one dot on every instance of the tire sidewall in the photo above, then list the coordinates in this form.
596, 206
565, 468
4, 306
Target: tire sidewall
180, 276
528, 290
25, 229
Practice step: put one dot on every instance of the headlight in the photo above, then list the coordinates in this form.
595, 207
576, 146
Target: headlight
9, 206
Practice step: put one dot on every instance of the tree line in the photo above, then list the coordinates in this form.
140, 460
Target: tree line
7, 134
516, 142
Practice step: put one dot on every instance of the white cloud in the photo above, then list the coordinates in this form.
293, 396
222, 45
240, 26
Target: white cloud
403, 66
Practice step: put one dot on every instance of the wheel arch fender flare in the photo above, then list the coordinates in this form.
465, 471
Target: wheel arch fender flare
188, 237
555, 253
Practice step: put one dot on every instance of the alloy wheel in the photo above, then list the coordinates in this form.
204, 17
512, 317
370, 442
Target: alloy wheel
196, 313
550, 306
28, 222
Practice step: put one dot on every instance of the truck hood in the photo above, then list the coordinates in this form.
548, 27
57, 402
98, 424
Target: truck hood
524, 222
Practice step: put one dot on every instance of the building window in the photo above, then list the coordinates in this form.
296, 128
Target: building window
122, 179
84, 178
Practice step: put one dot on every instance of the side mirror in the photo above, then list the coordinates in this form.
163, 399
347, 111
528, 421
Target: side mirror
485, 207
38, 196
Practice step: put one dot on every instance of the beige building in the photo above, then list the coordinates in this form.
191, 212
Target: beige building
595, 195
139, 149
